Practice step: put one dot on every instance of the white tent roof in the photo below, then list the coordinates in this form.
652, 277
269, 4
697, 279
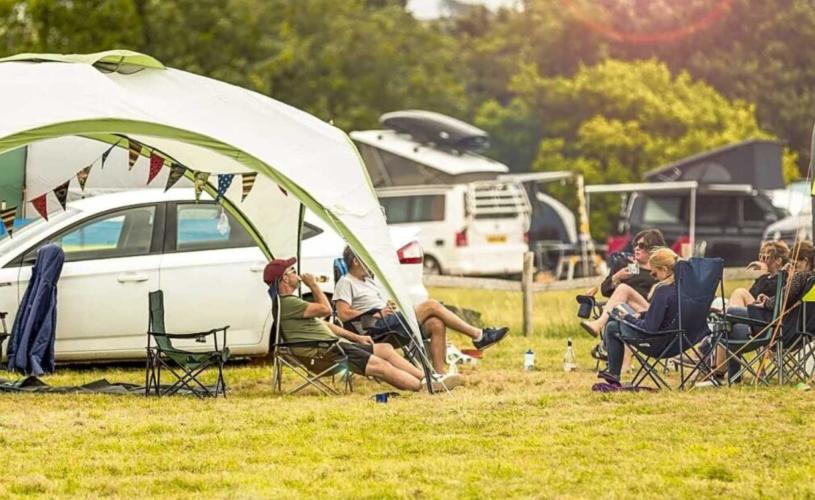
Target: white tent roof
210, 126
444, 161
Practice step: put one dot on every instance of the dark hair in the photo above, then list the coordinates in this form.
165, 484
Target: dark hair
804, 250
348, 256
651, 237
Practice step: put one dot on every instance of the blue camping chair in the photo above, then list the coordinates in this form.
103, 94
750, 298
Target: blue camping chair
696, 282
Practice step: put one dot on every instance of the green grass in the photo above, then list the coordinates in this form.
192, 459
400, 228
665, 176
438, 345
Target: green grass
507, 433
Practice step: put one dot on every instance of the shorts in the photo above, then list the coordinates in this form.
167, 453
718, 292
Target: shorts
394, 323
358, 356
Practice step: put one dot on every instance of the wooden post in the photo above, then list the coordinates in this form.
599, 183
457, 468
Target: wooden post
526, 290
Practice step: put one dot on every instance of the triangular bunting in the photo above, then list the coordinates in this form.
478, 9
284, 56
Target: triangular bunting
248, 182
199, 181
61, 192
156, 162
82, 176
41, 205
105, 155
176, 172
8, 215
134, 151
224, 181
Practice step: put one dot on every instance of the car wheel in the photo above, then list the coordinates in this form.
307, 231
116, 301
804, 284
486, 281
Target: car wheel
431, 266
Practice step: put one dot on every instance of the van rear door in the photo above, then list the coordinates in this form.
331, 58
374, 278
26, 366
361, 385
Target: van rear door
498, 213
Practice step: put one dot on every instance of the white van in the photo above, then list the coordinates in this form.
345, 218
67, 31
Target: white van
478, 228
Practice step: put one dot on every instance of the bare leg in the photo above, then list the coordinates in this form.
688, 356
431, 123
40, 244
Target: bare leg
740, 297
386, 352
433, 309
378, 367
623, 294
626, 360
438, 343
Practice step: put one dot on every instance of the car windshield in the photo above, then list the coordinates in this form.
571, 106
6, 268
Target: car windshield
21, 235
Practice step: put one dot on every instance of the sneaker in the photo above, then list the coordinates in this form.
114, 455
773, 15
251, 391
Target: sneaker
599, 353
440, 382
490, 337
608, 377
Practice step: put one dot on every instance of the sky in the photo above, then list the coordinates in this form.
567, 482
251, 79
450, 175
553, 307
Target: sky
430, 9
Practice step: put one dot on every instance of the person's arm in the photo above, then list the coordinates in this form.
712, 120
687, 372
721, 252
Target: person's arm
614, 278
321, 307
654, 316
349, 336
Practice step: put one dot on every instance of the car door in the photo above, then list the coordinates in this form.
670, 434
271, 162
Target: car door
111, 263
212, 275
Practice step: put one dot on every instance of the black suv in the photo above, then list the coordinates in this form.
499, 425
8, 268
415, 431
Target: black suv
728, 224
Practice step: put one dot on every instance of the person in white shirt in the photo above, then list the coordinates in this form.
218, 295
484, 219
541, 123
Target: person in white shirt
357, 293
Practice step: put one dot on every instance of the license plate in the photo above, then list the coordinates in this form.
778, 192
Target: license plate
497, 238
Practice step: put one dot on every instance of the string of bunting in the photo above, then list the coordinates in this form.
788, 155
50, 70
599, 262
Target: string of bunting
158, 161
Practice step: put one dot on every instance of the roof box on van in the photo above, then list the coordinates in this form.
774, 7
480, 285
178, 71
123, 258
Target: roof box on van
755, 162
442, 130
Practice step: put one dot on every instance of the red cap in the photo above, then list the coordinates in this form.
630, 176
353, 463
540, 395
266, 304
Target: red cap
276, 268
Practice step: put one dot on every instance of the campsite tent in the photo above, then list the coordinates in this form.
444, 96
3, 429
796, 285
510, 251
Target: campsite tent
122, 98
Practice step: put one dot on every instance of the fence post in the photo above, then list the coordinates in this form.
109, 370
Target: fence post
526, 290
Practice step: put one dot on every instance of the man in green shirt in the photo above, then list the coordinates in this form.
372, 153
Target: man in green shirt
301, 320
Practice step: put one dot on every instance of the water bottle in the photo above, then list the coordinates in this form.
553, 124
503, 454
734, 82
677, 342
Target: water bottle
569, 363
529, 360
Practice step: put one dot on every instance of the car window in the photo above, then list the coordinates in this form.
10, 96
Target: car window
310, 231
662, 210
716, 210
204, 226
125, 233
420, 208
397, 209
752, 211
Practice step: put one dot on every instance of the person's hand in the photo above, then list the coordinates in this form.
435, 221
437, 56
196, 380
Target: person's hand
620, 276
364, 340
387, 310
309, 280
620, 310
760, 300
757, 265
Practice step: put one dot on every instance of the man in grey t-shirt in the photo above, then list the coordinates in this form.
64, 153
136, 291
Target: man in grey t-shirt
357, 293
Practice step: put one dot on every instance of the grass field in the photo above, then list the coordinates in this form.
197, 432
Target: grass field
507, 433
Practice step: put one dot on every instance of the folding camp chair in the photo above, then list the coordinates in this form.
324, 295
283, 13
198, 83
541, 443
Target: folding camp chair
186, 366
696, 282
312, 361
756, 355
3, 334
795, 352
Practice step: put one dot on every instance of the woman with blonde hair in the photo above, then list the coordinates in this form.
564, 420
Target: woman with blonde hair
662, 314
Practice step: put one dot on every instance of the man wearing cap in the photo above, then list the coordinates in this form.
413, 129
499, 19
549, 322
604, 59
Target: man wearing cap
301, 320
356, 293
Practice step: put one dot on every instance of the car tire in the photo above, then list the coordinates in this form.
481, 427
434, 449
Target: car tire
431, 266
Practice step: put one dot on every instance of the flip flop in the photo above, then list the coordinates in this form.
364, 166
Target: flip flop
586, 326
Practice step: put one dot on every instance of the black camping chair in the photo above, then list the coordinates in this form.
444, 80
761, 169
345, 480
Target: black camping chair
185, 365
795, 351
696, 282
312, 361
751, 353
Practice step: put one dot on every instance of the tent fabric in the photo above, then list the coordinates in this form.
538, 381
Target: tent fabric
215, 127
31, 347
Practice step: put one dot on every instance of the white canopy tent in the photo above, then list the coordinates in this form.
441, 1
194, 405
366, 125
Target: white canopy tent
210, 126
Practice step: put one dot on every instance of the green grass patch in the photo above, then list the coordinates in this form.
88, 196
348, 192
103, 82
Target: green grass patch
507, 433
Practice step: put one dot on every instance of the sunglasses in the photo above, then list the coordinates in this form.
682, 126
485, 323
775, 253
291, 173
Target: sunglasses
764, 256
642, 246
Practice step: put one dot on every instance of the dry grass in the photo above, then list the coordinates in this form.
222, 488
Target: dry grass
508, 433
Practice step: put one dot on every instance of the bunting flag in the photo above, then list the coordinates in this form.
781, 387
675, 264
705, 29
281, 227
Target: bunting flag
8, 216
82, 176
156, 162
199, 181
224, 181
176, 172
134, 152
105, 155
41, 205
248, 182
61, 192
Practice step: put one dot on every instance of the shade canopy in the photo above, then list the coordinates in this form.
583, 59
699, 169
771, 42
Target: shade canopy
118, 97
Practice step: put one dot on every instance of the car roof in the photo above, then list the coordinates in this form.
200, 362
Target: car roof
129, 197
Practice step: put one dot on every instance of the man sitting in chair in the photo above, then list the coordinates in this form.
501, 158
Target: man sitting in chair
301, 320
356, 293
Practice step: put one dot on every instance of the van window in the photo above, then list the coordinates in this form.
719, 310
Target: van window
715, 210
420, 208
662, 210
752, 211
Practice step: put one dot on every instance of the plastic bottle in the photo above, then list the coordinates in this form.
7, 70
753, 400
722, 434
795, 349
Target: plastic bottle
529, 360
569, 363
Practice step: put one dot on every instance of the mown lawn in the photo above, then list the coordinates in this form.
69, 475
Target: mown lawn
507, 433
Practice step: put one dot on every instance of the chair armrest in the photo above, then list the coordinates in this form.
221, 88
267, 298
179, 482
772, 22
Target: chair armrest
188, 335
744, 320
661, 333
309, 343
369, 312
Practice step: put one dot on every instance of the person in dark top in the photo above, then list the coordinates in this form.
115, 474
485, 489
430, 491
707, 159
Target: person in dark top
661, 314
771, 258
625, 287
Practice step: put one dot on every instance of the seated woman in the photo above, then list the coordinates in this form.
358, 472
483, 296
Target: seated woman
771, 258
624, 287
661, 314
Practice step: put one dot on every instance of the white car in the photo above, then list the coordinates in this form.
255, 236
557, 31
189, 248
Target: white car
119, 247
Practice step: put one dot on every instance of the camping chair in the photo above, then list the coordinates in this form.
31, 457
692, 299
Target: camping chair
3, 334
312, 361
751, 353
185, 365
796, 344
696, 283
